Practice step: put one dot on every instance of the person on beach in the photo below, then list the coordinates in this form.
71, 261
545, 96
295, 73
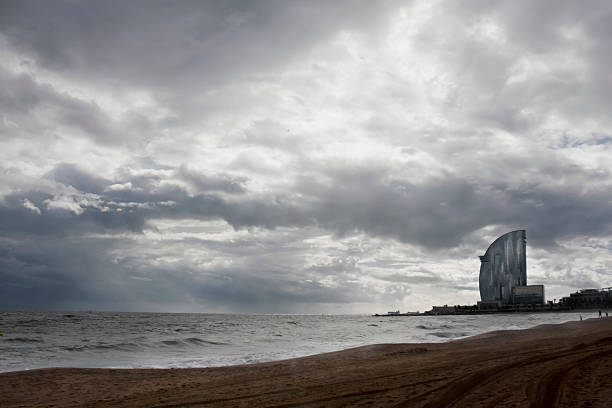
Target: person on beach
606, 314
600, 314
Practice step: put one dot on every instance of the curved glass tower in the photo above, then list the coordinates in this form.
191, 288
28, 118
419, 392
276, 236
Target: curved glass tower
503, 267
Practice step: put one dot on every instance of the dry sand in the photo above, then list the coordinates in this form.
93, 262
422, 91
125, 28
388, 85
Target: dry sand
566, 365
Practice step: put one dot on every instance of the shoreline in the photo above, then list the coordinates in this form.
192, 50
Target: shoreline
547, 365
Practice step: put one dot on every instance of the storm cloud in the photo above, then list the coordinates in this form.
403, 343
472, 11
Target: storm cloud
298, 156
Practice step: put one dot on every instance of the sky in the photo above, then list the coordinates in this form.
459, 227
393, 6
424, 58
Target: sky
299, 156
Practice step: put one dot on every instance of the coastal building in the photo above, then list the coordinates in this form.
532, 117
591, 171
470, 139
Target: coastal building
589, 298
503, 267
503, 274
531, 294
446, 309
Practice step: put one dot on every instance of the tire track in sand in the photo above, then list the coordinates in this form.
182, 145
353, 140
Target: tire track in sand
548, 386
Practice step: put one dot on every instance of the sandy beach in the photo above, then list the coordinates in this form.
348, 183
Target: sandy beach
564, 365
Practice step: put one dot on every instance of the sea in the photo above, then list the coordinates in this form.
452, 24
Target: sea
32, 340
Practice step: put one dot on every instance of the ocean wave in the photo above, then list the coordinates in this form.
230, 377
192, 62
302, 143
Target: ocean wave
433, 327
224, 324
197, 340
191, 341
448, 335
94, 347
25, 339
27, 322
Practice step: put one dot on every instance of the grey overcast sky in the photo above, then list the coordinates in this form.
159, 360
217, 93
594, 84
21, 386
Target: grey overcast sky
299, 156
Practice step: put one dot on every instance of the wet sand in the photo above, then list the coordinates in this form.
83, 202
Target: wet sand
566, 365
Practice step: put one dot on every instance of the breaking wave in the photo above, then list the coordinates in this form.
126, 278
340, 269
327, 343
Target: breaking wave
448, 335
433, 327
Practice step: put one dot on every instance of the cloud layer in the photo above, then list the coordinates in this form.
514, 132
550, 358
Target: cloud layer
298, 156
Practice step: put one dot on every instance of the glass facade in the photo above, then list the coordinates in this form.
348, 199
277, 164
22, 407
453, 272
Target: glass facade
503, 267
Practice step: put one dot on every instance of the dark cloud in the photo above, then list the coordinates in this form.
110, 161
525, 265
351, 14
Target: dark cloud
24, 96
71, 175
66, 273
436, 213
41, 111
150, 43
222, 182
